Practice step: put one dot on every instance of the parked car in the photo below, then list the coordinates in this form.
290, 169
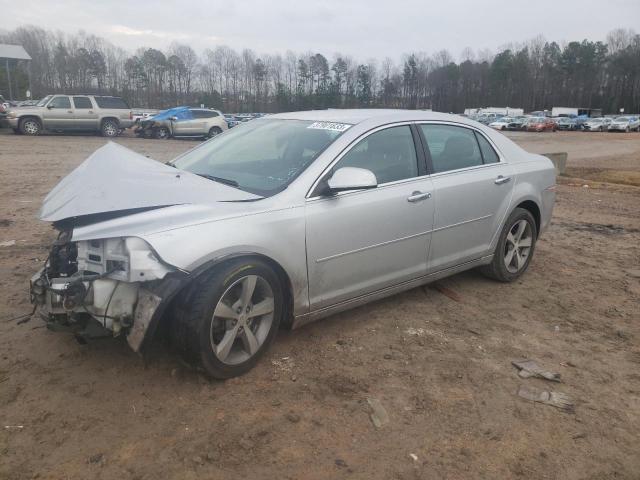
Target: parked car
487, 118
566, 123
516, 123
625, 124
183, 122
541, 124
92, 113
501, 124
231, 121
238, 236
600, 124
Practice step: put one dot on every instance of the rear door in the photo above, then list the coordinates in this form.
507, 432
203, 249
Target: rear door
472, 192
362, 241
190, 124
58, 114
86, 117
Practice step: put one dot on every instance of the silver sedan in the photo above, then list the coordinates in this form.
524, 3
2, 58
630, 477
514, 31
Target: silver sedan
282, 221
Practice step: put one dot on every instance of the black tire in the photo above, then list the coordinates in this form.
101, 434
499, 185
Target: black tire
109, 128
194, 325
497, 269
30, 126
161, 133
213, 131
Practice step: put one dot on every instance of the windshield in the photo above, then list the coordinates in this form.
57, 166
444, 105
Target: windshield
44, 101
622, 119
262, 156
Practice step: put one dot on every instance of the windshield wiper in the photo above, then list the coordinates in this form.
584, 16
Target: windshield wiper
226, 181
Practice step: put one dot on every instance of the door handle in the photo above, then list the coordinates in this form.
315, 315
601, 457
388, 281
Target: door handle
500, 180
418, 196
90, 111
69, 111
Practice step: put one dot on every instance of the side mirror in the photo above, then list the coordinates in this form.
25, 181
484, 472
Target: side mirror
173, 119
352, 178
49, 107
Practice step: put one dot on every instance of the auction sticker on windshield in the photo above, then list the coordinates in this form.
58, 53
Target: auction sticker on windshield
336, 127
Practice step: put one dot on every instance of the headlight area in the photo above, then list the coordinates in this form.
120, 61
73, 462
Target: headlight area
92, 288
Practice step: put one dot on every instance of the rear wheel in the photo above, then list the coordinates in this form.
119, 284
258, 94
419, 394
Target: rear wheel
515, 247
213, 131
109, 128
229, 318
30, 126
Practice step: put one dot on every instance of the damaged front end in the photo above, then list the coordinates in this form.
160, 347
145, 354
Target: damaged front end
105, 287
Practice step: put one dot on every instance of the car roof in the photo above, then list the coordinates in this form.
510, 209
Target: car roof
355, 116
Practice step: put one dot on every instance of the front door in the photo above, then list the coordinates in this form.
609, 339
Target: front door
359, 242
472, 191
58, 114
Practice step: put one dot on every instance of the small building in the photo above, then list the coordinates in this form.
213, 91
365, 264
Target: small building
10, 56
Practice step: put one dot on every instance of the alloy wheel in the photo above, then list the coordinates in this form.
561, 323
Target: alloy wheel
31, 127
242, 320
518, 246
110, 129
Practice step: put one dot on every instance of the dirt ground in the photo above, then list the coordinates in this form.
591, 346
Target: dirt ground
438, 360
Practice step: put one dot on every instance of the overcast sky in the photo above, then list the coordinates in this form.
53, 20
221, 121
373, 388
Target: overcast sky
363, 28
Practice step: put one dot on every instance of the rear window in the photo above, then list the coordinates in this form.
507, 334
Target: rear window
111, 102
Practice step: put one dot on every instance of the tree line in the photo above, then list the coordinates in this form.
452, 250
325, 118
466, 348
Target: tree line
533, 75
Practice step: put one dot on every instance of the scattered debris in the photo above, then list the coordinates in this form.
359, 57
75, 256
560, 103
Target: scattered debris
340, 463
529, 368
414, 457
8, 243
418, 332
579, 435
97, 458
387, 356
447, 292
13, 427
556, 399
475, 332
293, 417
606, 229
5, 222
379, 415
568, 364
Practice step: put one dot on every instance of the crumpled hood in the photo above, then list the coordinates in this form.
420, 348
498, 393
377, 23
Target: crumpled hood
115, 178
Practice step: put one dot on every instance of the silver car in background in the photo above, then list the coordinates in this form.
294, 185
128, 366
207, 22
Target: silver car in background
625, 124
282, 221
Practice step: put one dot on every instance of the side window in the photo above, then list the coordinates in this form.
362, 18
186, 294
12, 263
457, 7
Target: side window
451, 147
390, 154
489, 155
60, 102
204, 114
82, 102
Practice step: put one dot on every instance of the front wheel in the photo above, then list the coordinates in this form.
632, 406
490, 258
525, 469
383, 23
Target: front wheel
30, 126
515, 247
230, 317
162, 133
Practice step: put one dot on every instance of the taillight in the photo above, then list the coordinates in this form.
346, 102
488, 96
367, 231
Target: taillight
130, 115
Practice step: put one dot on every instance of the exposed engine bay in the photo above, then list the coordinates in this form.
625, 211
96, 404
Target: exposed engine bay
92, 287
